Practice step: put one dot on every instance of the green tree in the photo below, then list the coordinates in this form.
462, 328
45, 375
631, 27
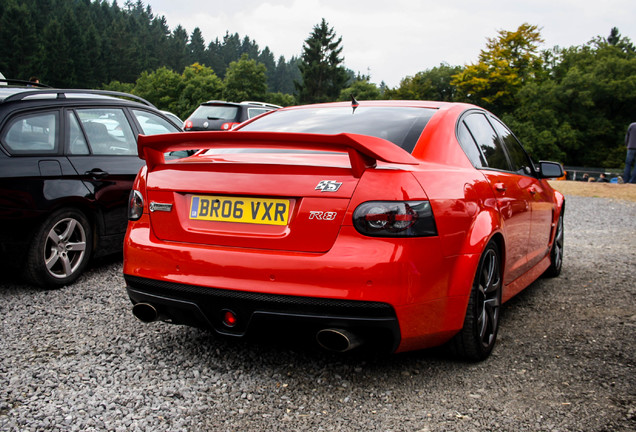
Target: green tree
178, 49
196, 47
507, 63
281, 99
199, 84
19, 49
361, 89
431, 84
245, 79
580, 112
161, 87
323, 77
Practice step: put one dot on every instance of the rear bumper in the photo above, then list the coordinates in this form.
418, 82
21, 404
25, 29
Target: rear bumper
374, 322
424, 293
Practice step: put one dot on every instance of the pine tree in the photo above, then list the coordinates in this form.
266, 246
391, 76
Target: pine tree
323, 77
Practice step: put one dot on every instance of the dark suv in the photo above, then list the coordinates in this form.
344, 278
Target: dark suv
67, 162
221, 115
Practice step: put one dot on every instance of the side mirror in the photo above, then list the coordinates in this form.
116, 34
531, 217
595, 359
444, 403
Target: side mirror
550, 170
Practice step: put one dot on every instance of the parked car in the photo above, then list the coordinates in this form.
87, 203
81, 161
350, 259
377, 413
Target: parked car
67, 162
175, 119
397, 224
221, 115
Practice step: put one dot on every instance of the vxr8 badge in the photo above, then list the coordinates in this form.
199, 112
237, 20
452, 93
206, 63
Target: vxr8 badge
327, 216
328, 186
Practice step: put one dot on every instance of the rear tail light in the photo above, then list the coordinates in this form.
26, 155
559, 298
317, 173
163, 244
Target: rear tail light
395, 219
228, 126
135, 205
187, 124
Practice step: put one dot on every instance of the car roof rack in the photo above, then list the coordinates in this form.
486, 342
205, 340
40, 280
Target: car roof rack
61, 94
263, 104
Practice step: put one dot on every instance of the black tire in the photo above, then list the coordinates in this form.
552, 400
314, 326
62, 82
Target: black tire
476, 339
556, 253
60, 250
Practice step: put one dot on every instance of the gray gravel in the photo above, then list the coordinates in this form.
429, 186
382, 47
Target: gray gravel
76, 359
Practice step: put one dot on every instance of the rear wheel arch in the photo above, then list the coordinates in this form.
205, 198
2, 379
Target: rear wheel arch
486, 226
476, 339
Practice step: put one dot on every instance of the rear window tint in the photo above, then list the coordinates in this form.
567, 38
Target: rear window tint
215, 112
399, 125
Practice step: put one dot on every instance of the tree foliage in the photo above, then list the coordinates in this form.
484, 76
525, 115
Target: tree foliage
432, 84
508, 62
245, 80
579, 112
323, 76
85, 44
570, 104
361, 89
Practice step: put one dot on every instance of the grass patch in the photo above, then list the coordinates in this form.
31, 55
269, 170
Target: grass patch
599, 190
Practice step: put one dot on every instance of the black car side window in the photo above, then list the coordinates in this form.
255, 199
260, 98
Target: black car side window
108, 131
486, 139
77, 143
253, 112
152, 124
34, 133
521, 163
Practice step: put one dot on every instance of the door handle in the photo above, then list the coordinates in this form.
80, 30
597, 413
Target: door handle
96, 173
500, 187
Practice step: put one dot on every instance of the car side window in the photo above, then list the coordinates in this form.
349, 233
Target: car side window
108, 131
253, 112
521, 163
487, 140
34, 133
77, 143
152, 124
469, 145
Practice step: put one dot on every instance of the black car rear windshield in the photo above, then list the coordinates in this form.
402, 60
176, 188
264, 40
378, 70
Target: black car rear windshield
399, 125
215, 112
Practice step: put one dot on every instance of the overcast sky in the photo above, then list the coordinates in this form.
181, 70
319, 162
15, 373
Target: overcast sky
392, 39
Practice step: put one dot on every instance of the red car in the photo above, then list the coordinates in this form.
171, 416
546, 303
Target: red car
398, 225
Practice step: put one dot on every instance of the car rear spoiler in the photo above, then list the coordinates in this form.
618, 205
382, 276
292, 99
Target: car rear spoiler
364, 151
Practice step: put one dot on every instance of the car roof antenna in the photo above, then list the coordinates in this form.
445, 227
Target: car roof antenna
354, 103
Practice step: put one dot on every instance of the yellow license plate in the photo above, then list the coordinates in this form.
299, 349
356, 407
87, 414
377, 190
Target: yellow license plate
262, 211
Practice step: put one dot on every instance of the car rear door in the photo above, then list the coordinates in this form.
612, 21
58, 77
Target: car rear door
540, 200
511, 190
102, 147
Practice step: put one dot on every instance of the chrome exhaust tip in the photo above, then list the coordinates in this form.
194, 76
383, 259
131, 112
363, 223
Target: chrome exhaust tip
337, 340
145, 312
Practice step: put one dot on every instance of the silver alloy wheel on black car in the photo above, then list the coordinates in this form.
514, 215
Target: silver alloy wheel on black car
476, 339
556, 253
60, 250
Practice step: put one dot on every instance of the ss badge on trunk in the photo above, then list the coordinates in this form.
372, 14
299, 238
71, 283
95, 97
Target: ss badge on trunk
328, 186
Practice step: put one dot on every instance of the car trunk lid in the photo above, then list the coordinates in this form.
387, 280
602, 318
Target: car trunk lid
280, 191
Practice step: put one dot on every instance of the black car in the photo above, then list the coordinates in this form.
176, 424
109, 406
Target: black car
67, 162
221, 115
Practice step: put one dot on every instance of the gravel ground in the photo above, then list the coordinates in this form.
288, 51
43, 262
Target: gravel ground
76, 359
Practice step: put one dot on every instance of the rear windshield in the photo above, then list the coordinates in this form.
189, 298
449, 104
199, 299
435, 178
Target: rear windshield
399, 125
215, 112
